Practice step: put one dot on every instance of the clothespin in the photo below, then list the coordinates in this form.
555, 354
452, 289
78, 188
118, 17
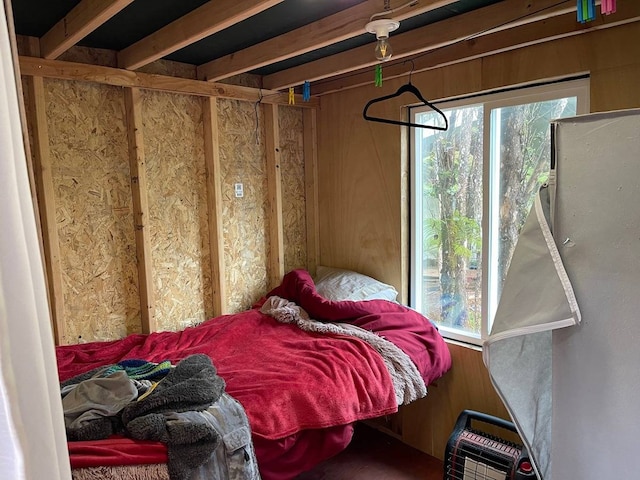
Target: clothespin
378, 80
579, 11
586, 10
306, 91
607, 7
591, 10
292, 96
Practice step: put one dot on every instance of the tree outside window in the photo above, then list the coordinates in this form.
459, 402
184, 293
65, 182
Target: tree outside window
489, 164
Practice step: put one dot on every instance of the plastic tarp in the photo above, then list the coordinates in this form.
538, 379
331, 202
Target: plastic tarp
537, 298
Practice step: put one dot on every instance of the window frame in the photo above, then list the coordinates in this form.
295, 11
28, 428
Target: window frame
578, 87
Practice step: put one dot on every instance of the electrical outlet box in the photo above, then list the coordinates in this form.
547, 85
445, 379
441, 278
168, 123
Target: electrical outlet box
238, 188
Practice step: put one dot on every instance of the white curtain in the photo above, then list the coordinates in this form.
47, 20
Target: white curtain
32, 438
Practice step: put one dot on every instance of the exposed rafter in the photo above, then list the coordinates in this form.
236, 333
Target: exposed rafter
335, 28
499, 16
210, 18
77, 24
525, 35
455, 37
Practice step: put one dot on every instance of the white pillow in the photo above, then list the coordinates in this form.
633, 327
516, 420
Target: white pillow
337, 284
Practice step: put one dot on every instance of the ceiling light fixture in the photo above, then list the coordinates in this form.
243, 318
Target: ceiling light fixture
381, 29
383, 26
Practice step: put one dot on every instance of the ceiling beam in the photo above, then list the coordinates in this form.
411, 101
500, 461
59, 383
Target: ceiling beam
210, 18
499, 16
523, 36
335, 28
83, 19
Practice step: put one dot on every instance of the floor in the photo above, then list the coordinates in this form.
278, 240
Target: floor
373, 455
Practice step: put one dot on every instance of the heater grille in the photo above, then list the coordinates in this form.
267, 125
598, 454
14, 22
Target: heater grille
472, 454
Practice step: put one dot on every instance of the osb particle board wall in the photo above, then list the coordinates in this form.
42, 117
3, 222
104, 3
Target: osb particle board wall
178, 217
87, 140
245, 227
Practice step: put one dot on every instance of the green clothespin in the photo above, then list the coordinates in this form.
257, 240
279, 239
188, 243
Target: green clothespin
378, 81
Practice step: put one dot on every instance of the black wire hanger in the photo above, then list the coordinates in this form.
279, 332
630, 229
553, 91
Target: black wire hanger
406, 88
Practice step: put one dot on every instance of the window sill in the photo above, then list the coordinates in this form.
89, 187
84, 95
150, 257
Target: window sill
470, 346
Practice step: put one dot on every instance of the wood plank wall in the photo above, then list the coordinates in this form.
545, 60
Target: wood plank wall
141, 226
362, 185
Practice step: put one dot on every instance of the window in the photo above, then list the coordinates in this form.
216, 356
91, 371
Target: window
471, 190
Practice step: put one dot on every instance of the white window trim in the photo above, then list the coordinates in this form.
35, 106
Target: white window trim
516, 96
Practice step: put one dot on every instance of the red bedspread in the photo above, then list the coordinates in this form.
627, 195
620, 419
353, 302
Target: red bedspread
288, 380
404, 327
279, 373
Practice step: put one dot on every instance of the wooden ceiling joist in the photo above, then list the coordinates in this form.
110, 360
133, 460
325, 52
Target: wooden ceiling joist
525, 35
210, 18
83, 19
335, 28
499, 16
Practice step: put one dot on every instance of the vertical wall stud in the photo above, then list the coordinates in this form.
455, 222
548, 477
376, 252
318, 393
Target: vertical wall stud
214, 205
274, 174
133, 104
41, 157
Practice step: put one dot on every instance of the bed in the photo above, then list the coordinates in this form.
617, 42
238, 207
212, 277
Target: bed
302, 368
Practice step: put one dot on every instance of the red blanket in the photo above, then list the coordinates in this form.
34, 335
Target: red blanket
288, 380
116, 450
404, 327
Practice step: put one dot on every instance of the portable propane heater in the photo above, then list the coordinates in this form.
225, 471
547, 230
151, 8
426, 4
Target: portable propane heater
475, 455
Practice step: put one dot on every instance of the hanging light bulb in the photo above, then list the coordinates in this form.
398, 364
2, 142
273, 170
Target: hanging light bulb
383, 49
381, 28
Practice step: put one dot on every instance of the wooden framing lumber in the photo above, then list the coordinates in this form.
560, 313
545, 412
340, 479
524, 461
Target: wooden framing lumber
524, 35
212, 17
141, 217
274, 182
507, 13
214, 205
335, 28
124, 78
41, 157
83, 19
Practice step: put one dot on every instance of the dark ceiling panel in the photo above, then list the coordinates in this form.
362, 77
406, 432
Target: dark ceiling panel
35, 17
138, 20
278, 20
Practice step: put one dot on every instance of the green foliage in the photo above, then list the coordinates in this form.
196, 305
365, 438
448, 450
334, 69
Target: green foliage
452, 200
465, 234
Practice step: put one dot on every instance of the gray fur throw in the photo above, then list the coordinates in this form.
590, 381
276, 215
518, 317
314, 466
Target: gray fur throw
173, 414
192, 385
